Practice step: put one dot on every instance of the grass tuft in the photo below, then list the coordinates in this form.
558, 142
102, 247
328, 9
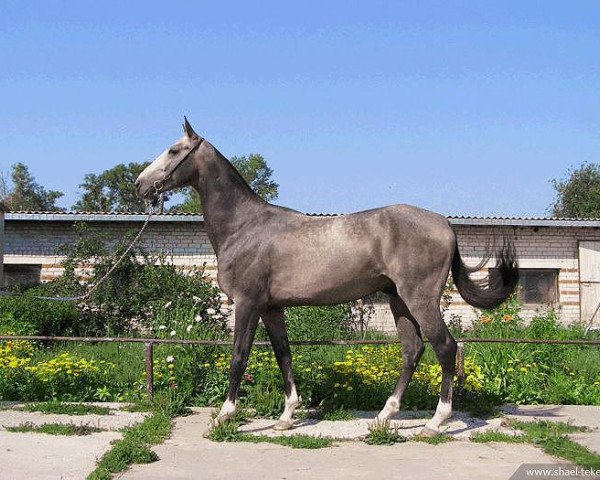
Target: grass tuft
66, 408
292, 441
433, 440
55, 429
495, 436
552, 438
228, 432
338, 414
137, 407
380, 433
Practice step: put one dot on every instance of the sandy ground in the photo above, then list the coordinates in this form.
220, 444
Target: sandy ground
186, 455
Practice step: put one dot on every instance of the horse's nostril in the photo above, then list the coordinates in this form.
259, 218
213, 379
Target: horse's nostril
137, 183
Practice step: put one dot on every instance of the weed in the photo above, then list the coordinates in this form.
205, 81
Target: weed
292, 441
433, 440
55, 429
552, 438
337, 414
67, 408
134, 446
380, 433
226, 431
495, 436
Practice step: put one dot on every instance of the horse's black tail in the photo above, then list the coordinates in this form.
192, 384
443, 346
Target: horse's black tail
491, 291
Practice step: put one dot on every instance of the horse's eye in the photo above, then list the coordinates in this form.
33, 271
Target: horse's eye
174, 151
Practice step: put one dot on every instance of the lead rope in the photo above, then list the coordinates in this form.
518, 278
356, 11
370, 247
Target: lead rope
85, 296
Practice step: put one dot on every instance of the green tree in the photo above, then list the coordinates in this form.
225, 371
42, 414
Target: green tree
27, 195
112, 191
253, 168
578, 195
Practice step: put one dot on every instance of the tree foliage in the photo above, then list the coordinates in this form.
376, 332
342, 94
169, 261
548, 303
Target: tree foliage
253, 168
578, 195
27, 195
112, 191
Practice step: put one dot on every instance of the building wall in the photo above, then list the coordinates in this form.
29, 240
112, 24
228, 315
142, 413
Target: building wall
37, 242
537, 247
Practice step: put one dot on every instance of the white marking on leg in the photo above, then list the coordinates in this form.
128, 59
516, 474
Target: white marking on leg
391, 408
227, 411
442, 413
291, 403
286, 420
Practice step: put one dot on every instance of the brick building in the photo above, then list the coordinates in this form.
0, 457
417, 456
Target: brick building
560, 258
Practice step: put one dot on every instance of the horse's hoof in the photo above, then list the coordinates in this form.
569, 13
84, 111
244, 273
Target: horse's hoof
428, 432
283, 425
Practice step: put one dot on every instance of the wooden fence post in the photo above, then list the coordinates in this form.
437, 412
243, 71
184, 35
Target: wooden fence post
149, 356
460, 367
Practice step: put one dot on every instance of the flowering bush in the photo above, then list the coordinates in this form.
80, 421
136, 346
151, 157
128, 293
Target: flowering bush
63, 377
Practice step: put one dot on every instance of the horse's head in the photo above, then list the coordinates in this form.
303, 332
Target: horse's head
173, 168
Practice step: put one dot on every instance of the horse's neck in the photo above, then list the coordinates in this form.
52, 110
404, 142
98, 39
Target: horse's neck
227, 200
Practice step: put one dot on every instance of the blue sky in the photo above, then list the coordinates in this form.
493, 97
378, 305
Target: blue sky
465, 108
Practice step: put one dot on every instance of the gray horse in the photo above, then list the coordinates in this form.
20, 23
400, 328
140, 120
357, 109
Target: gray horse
272, 257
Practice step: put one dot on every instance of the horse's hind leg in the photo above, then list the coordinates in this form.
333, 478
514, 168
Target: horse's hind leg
274, 321
412, 350
433, 326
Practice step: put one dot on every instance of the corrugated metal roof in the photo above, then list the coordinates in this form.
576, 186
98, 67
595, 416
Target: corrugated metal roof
102, 217
525, 221
193, 217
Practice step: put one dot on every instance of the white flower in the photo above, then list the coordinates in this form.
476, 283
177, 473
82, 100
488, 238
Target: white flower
162, 327
198, 318
173, 333
168, 304
216, 316
196, 299
211, 311
189, 327
170, 359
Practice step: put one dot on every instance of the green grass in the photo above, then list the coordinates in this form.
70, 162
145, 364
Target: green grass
380, 433
228, 432
552, 438
494, 436
292, 441
338, 414
55, 429
66, 408
127, 358
137, 407
434, 440
134, 447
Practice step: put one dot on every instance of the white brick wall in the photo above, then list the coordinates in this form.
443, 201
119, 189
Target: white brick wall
36, 242
543, 247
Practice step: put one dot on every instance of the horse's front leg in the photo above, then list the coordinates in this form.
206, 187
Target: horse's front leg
246, 320
274, 321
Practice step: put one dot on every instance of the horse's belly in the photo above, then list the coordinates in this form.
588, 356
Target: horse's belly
324, 281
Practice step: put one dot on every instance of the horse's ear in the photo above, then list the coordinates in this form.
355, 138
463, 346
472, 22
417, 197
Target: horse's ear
187, 128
